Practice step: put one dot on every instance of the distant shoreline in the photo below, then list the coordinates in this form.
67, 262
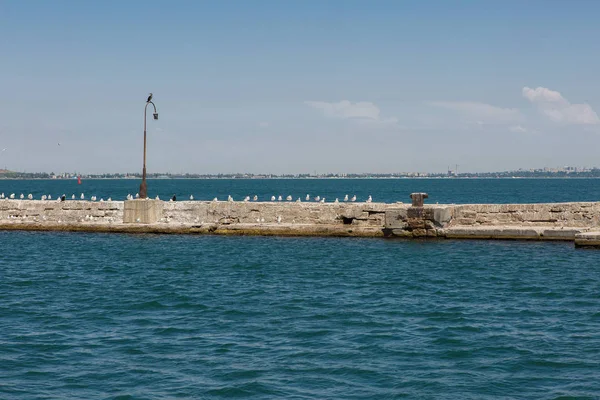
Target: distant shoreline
311, 178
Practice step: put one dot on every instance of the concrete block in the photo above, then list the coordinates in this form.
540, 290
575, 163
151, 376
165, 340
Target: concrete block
395, 218
142, 211
588, 239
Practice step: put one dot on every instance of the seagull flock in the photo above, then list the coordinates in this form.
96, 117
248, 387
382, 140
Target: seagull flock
308, 198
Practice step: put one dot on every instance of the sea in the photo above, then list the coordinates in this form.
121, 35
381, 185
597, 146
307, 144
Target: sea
140, 316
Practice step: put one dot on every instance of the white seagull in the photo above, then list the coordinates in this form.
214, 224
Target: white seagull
307, 197
137, 195
191, 197
12, 195
109, 199
272, 198
370, 199
82, 196
30, 196
215, 199
49, 197
336, 200
289, 198
353, 198
93, 198
298, 200
255, 198
229, 198
73, 196
323, 200
346, 198
22, 196
247, 198
317, 198
279, 198
156, 198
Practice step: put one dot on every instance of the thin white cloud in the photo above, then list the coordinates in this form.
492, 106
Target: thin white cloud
517, 129
347, 110
263, 124
554, 106
482, 112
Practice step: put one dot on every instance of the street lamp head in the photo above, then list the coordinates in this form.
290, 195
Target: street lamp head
155, 115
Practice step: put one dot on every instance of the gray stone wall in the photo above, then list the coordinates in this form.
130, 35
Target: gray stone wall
543, 214
552, 221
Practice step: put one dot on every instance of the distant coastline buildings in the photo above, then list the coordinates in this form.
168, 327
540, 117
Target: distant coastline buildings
546, 172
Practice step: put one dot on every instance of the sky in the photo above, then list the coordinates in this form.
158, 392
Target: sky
299, 86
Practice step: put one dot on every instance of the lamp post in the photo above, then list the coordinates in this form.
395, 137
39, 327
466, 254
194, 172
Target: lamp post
143, 185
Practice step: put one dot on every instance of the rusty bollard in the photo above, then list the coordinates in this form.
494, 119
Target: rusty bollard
418, 199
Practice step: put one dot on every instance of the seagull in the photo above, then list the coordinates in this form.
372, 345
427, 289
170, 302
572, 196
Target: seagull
353, 198
215, 199
2, 195
272, 198
82, 196
73, 196
247, 198
370, 199
317, 198
255, 198
156, 198
137, 195
22, 196
128, 196
307, 197
289, 198
279, 219
336, 200
49, 197
63, 197
229, 198
101, 199
149, 98
30, 196
12, 195
279, 198
346, 198
44, 197
191, 197
298, 200
323, 200
109, 199
93, 198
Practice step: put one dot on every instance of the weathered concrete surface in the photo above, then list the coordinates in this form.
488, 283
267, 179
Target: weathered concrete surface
144, 211
558, 221
511, 232
234, 218
588, 239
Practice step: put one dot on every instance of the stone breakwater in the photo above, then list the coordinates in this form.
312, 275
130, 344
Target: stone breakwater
578, 222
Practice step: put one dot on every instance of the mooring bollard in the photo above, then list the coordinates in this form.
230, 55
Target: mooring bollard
418, 199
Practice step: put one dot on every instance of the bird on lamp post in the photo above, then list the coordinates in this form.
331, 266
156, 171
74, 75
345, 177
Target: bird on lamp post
149, 98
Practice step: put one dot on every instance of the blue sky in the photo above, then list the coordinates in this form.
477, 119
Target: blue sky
299, 86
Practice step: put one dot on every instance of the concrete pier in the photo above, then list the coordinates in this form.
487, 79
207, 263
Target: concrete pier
576, 222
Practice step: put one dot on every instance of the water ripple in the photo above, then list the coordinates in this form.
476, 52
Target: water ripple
128, 317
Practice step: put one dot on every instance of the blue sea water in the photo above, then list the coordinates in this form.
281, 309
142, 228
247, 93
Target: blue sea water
458, 191
116, 316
